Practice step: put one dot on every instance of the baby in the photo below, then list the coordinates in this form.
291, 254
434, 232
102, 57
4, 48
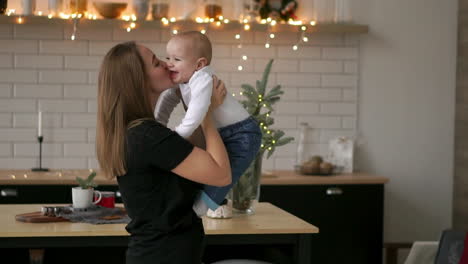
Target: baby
189, 57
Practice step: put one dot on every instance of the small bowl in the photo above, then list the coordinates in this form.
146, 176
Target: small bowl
109, 9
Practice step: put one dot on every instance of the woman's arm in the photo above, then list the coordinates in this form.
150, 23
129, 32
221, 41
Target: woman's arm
210, 166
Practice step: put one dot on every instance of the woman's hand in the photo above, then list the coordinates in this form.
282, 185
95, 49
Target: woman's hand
219, 93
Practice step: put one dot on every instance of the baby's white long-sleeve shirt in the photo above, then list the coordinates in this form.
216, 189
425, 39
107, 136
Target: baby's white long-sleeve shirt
197, 95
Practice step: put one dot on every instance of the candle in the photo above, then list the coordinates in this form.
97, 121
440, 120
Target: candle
39, 124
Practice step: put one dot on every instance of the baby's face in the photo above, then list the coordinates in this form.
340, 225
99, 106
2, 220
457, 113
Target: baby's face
180, 60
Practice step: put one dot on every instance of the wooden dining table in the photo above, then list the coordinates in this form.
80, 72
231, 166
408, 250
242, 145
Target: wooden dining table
269, 225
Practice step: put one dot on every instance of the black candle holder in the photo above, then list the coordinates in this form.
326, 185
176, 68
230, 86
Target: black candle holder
40, 139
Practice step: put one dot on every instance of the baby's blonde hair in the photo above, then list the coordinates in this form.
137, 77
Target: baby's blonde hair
200, 43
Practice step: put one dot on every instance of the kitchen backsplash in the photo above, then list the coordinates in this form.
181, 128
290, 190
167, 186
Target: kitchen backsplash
41, 67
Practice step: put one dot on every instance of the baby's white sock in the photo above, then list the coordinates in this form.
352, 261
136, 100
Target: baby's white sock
200, 207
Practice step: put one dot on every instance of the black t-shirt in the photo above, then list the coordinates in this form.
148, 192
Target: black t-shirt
164, 228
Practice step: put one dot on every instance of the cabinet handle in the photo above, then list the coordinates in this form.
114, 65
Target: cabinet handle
118, 194
9, 193
334, 191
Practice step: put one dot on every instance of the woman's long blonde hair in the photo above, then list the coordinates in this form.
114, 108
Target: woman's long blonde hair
123, 98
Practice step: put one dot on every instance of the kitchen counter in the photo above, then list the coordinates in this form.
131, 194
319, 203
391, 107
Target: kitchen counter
278, 177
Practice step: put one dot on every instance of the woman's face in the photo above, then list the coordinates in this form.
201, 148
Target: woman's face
156, 70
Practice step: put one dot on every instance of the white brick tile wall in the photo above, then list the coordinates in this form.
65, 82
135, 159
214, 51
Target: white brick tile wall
101, 47
279, 65
324, 39
63, 76
286, 52
319, 94
299, 79
348, 122
92, 106
79, 120
39, 61
77, 47
318, 66
141, 34
297, 108
17, 105
52, 120
40, 67
338, 108
17, 134
18, 163
80, 91
32, 150
230, 65
349, 94
30, 31
63, 135
18, 76
63, 106
221, 51
38, 91
89, 31
321, 121
6, 61
5, 150
83, 62
5, 119
6, 31
19, 46
93, 77
253, 51
339, 81
339, 53
350, 67
79, 150
66, 163
5, 90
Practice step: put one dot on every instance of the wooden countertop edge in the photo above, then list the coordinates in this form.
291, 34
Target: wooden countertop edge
278, 177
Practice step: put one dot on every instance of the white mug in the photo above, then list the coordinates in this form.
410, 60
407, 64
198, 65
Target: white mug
83, 198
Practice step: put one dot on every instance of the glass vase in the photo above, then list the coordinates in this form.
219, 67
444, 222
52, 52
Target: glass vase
245, 194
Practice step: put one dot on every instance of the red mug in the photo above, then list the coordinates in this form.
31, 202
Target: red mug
107, 199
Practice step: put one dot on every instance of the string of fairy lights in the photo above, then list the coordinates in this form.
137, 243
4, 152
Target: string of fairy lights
245, 25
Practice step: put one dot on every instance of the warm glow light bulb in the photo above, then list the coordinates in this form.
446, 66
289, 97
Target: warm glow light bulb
39, 13
211, 19
175, 31
267, 45
294, 47
226, 21
313, 23
305, 39
199, 20
263, 21
132, 25
129, 29
72, 37
203, 31
247, 27
237, 36
273, 23
20, 20
244, 57
218, 23
240, 68
173, 19
221, 17
303, 28
50, 16
272, 35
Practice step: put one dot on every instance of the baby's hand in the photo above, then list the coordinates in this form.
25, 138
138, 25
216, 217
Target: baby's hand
219, 93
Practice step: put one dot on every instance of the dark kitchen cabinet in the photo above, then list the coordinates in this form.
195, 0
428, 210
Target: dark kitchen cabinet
350, 218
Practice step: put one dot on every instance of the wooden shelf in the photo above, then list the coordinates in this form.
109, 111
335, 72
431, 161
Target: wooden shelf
192, 25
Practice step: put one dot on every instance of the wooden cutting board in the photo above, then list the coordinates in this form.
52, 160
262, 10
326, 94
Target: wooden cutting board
37, 217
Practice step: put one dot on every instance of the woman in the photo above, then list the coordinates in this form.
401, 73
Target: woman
159, 173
